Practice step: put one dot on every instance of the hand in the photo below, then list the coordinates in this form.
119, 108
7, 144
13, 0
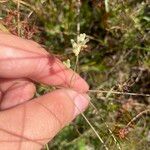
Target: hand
26, 123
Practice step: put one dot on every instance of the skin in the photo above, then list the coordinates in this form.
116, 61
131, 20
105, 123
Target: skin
27, 122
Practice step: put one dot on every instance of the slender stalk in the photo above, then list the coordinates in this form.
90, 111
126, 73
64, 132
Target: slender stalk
78, 17
119, 93
18, 18
76, 64
78, 29
111, 133
47, 147
137, 116
107, 5
92, 127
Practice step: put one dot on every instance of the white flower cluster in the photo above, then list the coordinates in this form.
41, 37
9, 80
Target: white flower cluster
79, 44
67, 63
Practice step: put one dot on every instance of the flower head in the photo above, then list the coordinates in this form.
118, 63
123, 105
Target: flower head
67, 63
79, 44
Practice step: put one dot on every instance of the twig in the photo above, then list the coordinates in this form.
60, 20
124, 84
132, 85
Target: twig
137, 116
89, 123
3, 1
120, 60
78, 17
78, 29
76, 64
120, 93
107, 5
111, 133
25, 4
18, 18
47, 147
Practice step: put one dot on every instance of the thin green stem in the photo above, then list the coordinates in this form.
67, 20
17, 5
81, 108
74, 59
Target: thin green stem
107, 5
76, 64
47, 147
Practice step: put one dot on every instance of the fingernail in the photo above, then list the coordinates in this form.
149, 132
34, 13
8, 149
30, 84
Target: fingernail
81, 102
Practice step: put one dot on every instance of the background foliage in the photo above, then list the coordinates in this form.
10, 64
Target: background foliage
117, 58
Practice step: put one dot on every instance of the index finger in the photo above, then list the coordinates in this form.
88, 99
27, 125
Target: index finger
33, 62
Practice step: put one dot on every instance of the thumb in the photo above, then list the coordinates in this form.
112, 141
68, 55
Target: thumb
34, 123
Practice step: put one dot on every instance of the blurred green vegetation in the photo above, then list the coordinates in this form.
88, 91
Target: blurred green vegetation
117, 58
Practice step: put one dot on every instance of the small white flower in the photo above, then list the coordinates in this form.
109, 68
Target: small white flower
67, 63
79, 44
81, 37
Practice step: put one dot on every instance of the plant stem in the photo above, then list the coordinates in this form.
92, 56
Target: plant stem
120, 93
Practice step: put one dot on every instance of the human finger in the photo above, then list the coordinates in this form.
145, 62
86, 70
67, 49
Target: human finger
35, 63
34, 123
15, 92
